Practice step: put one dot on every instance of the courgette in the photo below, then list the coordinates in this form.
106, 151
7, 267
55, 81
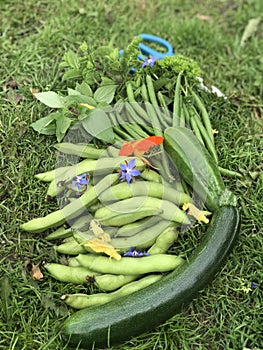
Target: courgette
197, 167
141, 311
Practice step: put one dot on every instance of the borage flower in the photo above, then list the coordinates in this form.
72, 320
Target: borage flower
134, 253
80, 180
128, 171
149, 61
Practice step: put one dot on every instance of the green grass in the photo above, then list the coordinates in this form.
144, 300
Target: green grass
34, 37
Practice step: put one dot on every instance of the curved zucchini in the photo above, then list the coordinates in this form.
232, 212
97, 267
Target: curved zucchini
141, 311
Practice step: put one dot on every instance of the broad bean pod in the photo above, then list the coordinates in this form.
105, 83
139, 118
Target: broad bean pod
70, 248
81, 301
130, 266
135, 227
80, 149
109, 282
102, 166
109, 216
144, 188
164, 241
60, 233
131, 209
69, 274
71, 210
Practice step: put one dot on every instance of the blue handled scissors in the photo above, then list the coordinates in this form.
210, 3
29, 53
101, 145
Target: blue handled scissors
146, 50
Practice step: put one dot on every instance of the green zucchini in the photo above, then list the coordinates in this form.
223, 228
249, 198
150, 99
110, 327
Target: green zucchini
197, 167
141, 311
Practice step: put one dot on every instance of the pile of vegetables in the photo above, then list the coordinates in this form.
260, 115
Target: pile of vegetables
141, 170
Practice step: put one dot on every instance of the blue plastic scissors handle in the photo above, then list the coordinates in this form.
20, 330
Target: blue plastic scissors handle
146, 50
149, 51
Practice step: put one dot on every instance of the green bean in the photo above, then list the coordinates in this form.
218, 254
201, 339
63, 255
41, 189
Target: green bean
141, 112
129, 265
209, 144
71, 210
153, 100
113, 119
81, 150
143, 188
164, 241
204, 114
63, 273
156, 123
81, 301
162, 101
138, 129
196, 130
186, 114
176, 104
122, 134
182, 114
135, 118
166, 111
144, 93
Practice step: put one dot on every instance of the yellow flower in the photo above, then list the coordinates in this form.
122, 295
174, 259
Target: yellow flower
198, 214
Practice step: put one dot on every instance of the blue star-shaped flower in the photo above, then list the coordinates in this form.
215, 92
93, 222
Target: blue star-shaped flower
80, 180
128, 171
149, 61
134, 253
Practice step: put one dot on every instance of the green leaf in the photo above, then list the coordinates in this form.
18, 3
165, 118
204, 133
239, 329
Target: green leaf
72, 92
46, 125
72, 59
105, 93
98, 124
84, 89
50, 99
250, 29
62, 125
71, 74
114, 55
78, 98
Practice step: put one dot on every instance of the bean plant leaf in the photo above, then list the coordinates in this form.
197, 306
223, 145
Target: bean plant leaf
71, 74
62, 125
46, 125
50, 99
98, 124
84, 89
105, 93
72, 59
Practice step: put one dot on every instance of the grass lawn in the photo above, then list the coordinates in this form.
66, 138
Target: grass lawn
34, 37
